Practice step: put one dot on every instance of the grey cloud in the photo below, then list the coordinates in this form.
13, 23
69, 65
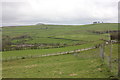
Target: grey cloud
59, 11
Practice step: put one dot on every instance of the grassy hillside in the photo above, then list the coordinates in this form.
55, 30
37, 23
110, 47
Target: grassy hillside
21, 41
64, 66
86, 64
51, 36
32, 52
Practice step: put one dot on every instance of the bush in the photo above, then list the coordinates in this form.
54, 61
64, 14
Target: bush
115, 36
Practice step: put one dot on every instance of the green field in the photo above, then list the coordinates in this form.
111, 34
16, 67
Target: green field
55, 67
86, 64
56, 34
21, 41
17, 53
55, 38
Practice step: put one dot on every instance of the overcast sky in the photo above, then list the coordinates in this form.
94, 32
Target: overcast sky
22, 12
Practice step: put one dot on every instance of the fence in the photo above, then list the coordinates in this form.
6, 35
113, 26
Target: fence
108, 57
105, 53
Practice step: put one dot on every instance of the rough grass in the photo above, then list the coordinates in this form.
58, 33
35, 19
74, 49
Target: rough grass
86, 64
63, 66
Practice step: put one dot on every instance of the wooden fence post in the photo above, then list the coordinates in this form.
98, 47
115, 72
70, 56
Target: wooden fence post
118, 60
118, 67
110, 56
102, 51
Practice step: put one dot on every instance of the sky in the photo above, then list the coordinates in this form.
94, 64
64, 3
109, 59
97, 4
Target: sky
72, 12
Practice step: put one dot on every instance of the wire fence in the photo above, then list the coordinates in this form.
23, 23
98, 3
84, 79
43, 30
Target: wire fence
111, 58
106, 53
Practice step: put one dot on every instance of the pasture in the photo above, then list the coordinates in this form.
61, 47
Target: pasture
85, 64
22, 41
52, 36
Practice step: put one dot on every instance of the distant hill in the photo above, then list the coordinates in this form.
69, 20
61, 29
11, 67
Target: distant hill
40, 24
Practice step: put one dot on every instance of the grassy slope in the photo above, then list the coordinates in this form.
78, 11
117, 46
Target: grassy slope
9, 54
64, 66
85, 66
40, 35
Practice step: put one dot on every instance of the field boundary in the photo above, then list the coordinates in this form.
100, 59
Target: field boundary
52, 54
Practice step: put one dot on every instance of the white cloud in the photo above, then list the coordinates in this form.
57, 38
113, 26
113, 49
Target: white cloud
59, 11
